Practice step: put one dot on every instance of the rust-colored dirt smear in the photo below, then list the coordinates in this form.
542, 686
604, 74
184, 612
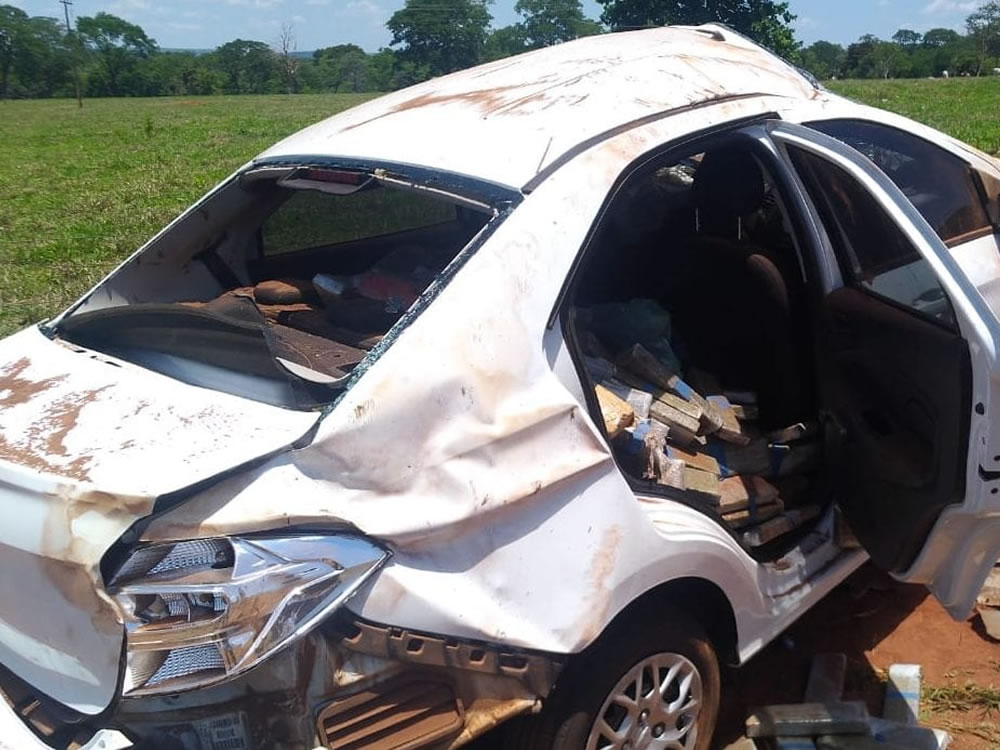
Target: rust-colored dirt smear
601, 568
15, 390
486, 99
43, 442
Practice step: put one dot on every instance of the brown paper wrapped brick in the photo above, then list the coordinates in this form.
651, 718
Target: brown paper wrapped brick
617, 414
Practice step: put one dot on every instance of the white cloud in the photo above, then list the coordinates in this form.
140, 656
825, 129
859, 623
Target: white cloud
264, 25
182, 26
317, 2
126, 5
267, 3
951, 6
803, 23
366, 8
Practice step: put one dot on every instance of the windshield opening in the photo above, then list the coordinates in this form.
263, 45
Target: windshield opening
284, 301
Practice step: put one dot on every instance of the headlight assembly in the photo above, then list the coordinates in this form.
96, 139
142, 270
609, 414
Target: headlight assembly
202, 611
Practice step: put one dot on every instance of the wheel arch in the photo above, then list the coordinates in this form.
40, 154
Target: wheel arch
666, 613
698, 598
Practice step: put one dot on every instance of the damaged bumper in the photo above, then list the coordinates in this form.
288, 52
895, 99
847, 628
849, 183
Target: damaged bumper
349, 684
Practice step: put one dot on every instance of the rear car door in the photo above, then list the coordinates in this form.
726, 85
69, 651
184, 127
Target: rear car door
909, 376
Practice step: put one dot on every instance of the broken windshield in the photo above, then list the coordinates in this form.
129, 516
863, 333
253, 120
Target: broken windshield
285, 300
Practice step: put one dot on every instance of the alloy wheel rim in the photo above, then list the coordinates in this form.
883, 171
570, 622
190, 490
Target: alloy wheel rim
654, 706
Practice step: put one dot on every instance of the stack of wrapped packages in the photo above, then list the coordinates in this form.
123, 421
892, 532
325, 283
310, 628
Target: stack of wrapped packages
692, 434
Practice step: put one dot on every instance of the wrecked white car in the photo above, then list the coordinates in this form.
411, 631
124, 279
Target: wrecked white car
525, 396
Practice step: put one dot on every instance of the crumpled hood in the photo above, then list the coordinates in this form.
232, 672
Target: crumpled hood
87, 444
123, 429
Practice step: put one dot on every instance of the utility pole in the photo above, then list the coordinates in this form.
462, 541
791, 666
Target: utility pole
76, 65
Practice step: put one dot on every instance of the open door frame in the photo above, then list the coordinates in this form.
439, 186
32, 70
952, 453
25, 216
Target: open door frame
962, 536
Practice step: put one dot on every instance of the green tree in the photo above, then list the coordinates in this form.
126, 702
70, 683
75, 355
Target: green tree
939, 52
177, 74
46, 68
885, 57
334, 52
824, 59
504, 42
941, 38
35, 54
13, 43
250, 67
440, 36
907, 38
380, 68
871, 57
548, 22
117, 46
343, 68
407, 72
860, 62
768, 22
984, 30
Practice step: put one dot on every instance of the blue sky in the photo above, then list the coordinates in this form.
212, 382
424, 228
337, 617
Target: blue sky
320, 23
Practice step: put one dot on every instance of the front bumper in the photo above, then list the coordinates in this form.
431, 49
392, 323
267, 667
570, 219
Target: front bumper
348, 684
14, 735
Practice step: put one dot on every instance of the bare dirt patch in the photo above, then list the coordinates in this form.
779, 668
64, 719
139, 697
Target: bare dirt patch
878, 622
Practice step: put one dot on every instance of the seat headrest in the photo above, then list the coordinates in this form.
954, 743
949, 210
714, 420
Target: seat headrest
728, 184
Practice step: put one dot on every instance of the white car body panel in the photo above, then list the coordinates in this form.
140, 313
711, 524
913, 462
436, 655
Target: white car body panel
134, 433
14, 735
980, 262
87, 444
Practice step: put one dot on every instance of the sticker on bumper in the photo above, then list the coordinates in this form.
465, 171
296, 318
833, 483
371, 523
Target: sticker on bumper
228, 732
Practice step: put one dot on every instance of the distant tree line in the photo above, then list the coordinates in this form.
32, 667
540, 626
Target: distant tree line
107, 56
910, 54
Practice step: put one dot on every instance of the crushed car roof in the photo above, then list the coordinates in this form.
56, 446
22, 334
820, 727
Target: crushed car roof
510, 120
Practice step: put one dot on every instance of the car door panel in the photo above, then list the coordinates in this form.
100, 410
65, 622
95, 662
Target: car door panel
899, 387
912, 388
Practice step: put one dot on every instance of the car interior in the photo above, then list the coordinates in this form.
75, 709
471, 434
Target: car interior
335, 261
727, 378
694, 292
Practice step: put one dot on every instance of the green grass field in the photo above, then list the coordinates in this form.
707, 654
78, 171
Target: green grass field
967, 108
81, 189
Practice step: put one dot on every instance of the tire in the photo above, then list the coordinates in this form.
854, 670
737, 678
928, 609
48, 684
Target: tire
584, 692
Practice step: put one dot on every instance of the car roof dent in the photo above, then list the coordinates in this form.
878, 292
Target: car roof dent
508, 120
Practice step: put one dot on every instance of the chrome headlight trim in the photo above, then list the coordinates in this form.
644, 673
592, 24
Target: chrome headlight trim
199, 612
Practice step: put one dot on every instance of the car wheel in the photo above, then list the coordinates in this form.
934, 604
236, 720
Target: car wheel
652, 686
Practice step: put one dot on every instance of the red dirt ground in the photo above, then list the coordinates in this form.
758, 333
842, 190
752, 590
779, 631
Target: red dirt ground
877, 623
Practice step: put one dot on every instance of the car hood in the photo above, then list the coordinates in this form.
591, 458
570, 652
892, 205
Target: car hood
87, 445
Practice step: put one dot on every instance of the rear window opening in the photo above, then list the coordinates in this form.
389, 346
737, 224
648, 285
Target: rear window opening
307, 283
689, 313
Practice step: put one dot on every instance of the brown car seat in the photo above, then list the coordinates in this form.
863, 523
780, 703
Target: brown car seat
729, 297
